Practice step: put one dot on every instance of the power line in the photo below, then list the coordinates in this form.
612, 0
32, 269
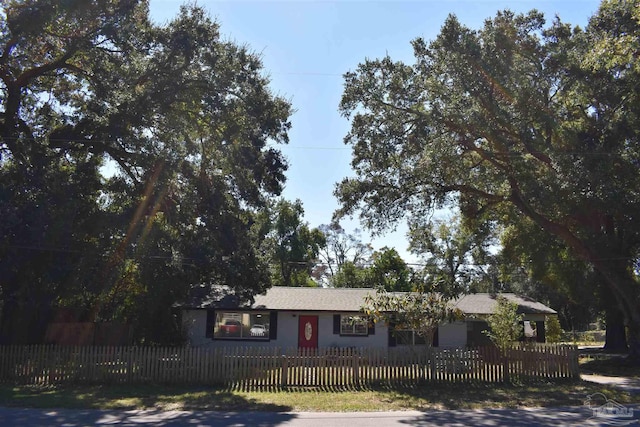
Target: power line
300, 263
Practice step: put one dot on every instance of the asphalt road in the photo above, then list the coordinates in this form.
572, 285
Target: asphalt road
571, 416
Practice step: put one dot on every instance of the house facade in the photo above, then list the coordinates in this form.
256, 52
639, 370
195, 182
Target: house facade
289, 317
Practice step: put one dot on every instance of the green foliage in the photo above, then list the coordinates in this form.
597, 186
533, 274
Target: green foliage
543, 268
351, 276
294, 247
387, 271
453, 253
342, 250
515, 119
183, 124
421, 311
47, 242
553, 331
391, 272
504, 323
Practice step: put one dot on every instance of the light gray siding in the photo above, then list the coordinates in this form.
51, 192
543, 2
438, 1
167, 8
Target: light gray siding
195, 323
452, 335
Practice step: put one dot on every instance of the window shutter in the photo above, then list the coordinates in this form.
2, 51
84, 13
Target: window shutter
372, 327
336, 324
273, 325
211, 321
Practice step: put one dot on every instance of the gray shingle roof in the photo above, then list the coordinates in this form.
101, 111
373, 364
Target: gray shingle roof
352, 299
483, 303
317, 299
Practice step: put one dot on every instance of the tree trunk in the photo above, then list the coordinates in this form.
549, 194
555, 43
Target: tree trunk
633, 339
624, 288
612, 263
615, 337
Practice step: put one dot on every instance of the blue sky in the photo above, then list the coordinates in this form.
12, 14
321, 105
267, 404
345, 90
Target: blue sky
306, 46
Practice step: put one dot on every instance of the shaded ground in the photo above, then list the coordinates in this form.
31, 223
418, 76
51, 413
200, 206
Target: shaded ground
117, 396
430, 396
608, 364
564, 416
425, 397
612, 369
544, 403
628, 384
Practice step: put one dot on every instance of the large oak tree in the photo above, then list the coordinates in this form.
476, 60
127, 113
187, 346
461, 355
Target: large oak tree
518, 118
134, 158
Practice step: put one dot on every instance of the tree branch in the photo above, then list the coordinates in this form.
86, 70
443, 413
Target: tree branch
467, 189
32, 73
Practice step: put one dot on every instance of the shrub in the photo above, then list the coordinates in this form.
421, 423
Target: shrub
553, 332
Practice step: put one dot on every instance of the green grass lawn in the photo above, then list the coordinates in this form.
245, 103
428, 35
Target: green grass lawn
428, 396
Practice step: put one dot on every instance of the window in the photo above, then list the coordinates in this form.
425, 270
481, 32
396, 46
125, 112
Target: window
408, 337
242, 325
354, 325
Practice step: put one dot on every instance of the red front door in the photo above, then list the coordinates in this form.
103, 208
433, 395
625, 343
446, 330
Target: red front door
308, 332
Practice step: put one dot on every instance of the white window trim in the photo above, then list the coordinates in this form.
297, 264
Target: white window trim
414, 334
239, 316
352, 323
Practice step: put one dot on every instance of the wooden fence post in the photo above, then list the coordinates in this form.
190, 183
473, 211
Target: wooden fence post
51, 363
505, 365
129, 352
432, 363
356, 369
248, 368
285, 368
575, 367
